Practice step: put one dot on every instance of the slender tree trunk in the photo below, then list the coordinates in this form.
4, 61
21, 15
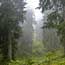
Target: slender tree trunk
13, 48
10, 47
64, 12
64, 47
5, 48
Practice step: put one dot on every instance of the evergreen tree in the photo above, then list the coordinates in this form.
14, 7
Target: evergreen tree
56, 19
10, 17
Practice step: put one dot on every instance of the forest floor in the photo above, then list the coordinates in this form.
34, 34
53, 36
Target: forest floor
51, 58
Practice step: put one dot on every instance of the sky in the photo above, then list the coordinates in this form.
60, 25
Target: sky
33, 4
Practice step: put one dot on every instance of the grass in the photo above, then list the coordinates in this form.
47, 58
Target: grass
50, 58
54, 57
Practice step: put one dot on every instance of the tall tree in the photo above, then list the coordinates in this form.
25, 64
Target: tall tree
10, 17
56, 5
56, 19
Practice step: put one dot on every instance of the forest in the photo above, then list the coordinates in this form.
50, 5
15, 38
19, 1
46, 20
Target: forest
32, 32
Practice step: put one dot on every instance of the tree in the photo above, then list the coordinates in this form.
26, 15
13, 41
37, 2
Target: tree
9, 27
56, 5
56, 19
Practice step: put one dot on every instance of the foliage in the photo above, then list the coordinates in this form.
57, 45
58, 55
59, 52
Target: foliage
56, 19
57, 24
56, 5
54, 57
10, 29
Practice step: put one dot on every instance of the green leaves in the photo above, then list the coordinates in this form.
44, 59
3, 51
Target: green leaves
45, 5
9, 27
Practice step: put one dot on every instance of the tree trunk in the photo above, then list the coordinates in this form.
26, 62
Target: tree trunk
64, 50
64, 12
